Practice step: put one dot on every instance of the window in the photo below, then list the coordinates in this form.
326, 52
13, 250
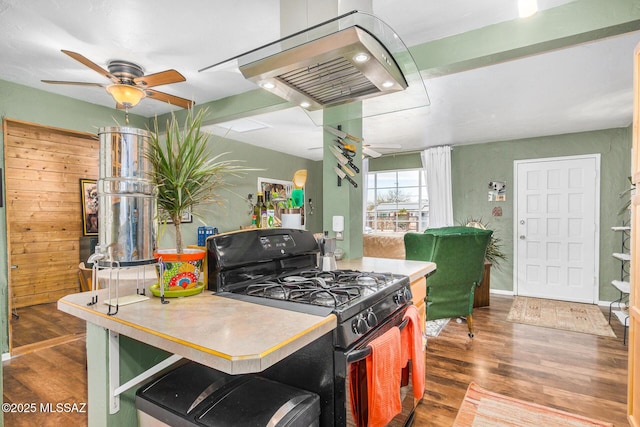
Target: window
397, 201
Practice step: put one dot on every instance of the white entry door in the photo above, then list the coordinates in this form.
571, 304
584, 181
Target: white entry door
556, 228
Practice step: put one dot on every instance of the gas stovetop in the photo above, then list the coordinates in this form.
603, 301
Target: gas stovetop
277, 267
324, 288
342, 292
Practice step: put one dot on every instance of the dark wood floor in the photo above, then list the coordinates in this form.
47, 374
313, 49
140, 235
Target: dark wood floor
55, 375
41, 323
575, 372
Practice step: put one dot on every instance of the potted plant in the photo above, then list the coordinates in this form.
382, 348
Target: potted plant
186, 174
494, 250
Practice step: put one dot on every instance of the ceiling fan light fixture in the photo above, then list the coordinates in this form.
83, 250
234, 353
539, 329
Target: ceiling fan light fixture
127, 95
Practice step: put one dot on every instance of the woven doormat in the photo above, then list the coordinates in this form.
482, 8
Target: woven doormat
483, 408
568, 316
434, 327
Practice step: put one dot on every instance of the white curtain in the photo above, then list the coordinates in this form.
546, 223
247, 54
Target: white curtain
436, 162
364, 172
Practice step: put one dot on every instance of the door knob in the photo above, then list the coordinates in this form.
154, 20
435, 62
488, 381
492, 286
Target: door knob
13, 267
522, 237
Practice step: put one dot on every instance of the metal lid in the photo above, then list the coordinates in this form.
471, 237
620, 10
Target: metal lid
121, 129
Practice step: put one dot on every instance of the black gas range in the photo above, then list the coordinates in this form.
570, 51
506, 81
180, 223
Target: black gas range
279, 267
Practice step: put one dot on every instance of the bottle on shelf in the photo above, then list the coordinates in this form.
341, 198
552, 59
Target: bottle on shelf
263, 212
271, 212
257, 210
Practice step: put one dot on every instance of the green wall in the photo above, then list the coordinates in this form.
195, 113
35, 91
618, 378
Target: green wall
473, 166
234, 211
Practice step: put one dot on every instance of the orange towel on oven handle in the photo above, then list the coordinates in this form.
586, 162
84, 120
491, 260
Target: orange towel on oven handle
412, 349
384, 366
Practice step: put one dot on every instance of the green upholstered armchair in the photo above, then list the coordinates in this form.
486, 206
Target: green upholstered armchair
459, 254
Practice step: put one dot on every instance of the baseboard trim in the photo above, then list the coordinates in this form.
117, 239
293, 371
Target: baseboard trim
30, 348
501, 292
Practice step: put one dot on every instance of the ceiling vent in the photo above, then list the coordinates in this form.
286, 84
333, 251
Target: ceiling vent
348, 65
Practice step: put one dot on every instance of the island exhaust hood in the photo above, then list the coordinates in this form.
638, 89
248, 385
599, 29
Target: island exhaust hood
348, 65
352, 57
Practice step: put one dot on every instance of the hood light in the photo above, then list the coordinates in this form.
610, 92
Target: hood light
305, 104
387, 84
361, 57
268, 85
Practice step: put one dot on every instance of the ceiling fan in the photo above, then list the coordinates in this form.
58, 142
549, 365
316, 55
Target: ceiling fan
367, 149
370, 149
129, 84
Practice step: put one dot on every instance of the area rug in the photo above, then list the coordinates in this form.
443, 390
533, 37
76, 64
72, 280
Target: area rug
434, 327
569, 316
483, 408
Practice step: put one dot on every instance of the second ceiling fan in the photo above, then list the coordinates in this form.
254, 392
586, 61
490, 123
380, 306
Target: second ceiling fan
129, 84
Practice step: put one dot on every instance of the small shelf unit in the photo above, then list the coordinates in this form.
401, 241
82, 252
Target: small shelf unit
619, 307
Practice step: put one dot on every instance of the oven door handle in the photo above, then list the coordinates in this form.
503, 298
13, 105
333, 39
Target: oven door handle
363, 353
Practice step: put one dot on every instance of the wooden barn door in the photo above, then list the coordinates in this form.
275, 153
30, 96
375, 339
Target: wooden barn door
43, 168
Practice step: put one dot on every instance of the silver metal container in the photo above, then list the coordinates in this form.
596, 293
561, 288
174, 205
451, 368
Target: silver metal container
126, 196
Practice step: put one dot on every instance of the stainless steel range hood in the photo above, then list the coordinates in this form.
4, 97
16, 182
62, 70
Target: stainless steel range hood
342, 67
317, 70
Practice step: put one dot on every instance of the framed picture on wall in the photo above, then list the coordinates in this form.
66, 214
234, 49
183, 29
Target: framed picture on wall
186, 217
89, 201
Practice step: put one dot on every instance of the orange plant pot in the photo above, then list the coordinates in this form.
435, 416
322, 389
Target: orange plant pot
181, 271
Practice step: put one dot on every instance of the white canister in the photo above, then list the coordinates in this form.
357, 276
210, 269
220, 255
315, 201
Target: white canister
291, 218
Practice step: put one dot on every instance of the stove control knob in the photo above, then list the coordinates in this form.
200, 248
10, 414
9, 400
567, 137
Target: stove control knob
360, 325
399, 298
372, 320
407, 294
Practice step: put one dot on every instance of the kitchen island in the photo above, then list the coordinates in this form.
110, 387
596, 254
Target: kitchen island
228, 335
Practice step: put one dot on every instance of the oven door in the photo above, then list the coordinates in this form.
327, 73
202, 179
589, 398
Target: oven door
355, 381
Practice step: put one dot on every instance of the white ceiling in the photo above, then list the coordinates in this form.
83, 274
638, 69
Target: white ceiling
581, 88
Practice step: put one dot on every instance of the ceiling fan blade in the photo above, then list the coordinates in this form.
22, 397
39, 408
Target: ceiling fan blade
385, 146
95, 67
170, 99
58, 82
161, 78
371, 153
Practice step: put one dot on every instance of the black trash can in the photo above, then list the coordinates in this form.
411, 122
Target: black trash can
196, 395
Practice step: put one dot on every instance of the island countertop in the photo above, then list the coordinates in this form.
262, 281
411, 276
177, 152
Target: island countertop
414, 269
232, 336
229, 335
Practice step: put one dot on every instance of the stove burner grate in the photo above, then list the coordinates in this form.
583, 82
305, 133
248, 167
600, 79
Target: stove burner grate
321, 288
333, 297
